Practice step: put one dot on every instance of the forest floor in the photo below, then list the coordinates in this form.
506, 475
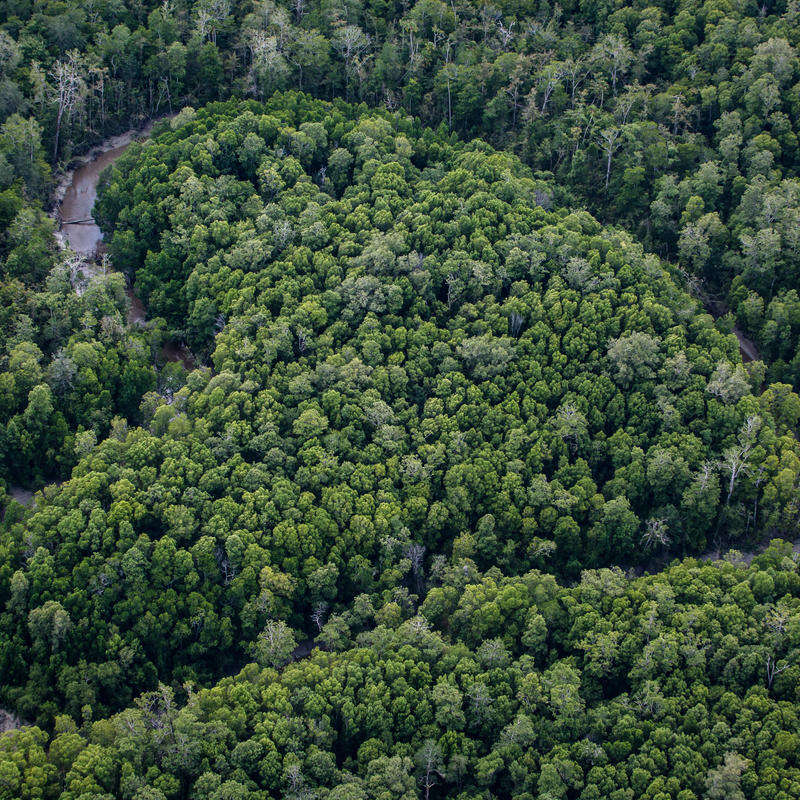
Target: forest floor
660, 562
304, 649
747, 347
23, 496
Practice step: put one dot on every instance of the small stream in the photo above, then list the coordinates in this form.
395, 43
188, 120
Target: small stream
78, 227
75, 199
747, 347
77, 223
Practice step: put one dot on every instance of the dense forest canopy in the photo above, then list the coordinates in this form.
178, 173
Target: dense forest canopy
495, 687
444, 312
677, 121
410, 359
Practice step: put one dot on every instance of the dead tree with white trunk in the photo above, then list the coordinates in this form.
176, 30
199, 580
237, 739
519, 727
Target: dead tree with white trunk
69, 88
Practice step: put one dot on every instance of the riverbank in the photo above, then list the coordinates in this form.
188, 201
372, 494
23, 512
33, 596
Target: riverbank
72, 205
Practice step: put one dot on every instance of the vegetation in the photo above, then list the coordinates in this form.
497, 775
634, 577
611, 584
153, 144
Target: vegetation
680, 685
446, 272
410, 356
678, 122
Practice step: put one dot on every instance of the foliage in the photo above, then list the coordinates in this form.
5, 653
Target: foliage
411, 359
653, 687
441, 380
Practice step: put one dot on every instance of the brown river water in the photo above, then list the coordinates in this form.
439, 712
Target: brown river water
78, 225
84, 236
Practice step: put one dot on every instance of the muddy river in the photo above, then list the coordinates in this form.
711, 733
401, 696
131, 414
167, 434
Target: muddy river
77, 223
82, 234
78, 227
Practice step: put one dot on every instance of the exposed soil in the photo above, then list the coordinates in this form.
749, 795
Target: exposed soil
304, 649
22, 496
136, 313
175, 351
658, 563
746, 346
746, 556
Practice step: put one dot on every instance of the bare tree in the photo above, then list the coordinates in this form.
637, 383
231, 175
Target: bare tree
409, 26
609, 140
209, 16
97, 85
723, 782
777, 622
680, 114
429, 761
419, 624
626, 102
577, 72
267, 63
615, 55
541, 548
735, 458
571, 425
481, 701
772, 669
318, 614
283, 232
158, 711
656, 533
227, 569
275, 644
415, 553
451, 73
506, 34
549, 80
351, 43
69, 88
294, 777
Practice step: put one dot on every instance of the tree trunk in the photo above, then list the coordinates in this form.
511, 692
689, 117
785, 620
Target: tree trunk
58, 131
